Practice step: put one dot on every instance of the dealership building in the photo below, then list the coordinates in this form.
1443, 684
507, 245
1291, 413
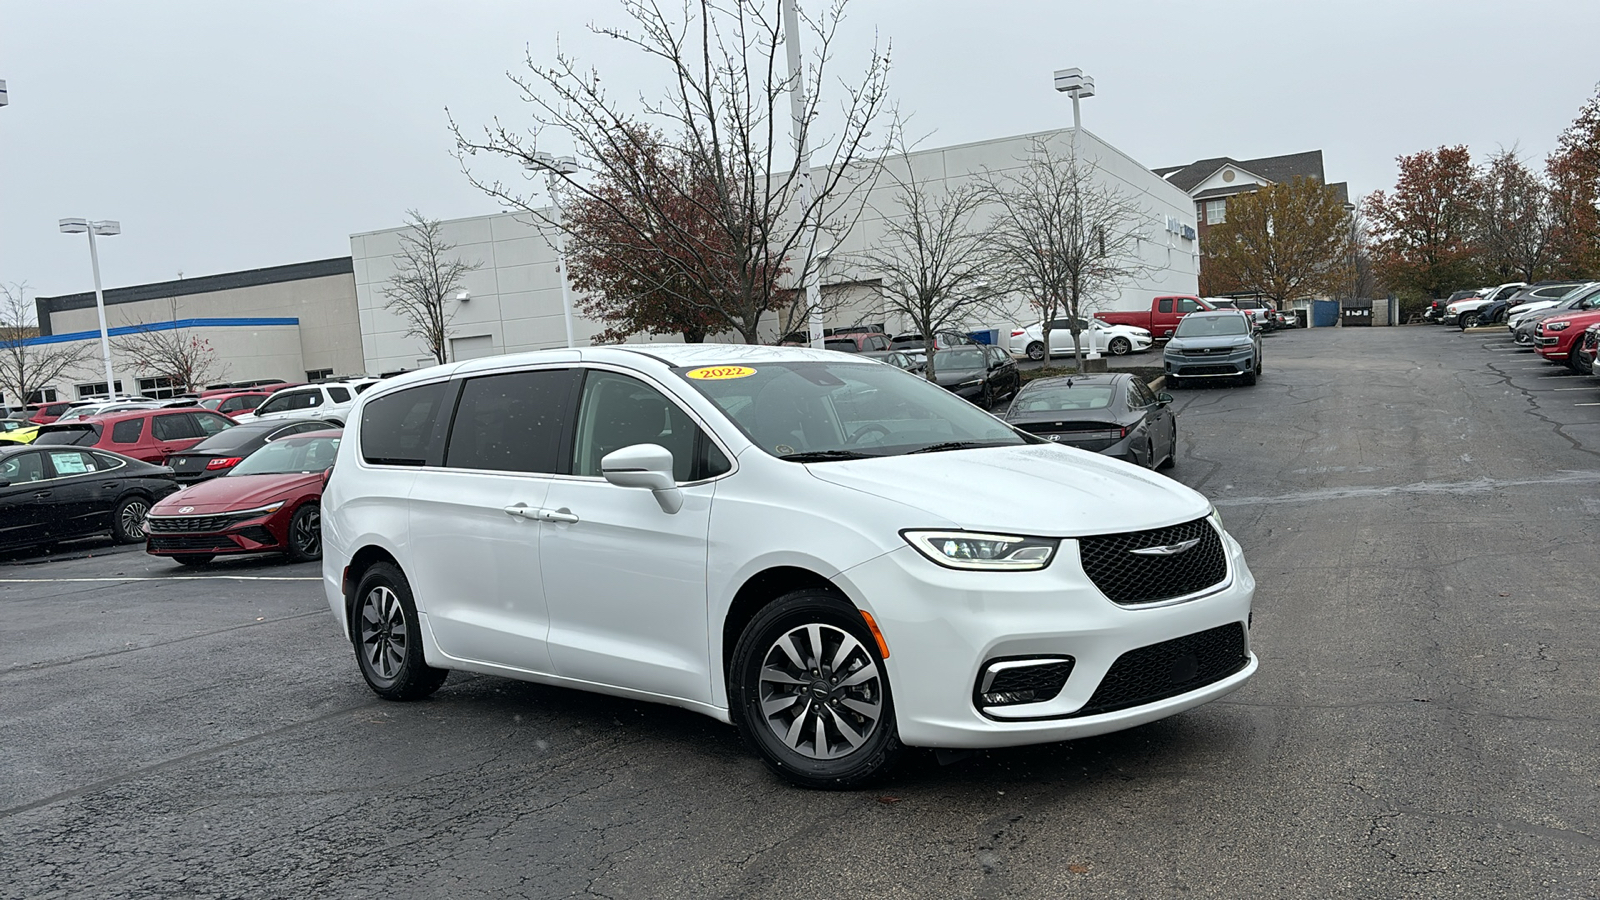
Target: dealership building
328, 317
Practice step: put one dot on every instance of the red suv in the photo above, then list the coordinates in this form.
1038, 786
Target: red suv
144, 434
45, 413
1557, 337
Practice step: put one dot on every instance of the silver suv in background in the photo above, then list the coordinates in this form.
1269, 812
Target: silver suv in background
329, 401
1221, 343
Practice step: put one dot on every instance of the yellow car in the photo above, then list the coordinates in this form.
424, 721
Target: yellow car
17, 431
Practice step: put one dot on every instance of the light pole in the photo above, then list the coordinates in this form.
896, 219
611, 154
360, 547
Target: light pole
1077, 85
797, 107
554, 167
105, 227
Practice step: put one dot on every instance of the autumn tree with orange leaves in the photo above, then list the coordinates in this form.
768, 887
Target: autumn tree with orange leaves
1423, 233
1574, 171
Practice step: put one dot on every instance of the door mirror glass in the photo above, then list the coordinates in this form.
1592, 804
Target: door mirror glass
646, 466
1163, 398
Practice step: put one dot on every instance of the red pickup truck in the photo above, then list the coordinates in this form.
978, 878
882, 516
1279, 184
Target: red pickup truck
1161, 318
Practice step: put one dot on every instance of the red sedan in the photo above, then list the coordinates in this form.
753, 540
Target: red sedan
270, 503
1557, 337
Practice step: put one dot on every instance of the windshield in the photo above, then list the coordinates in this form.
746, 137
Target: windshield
1211, 326
810, 411
302, 455
1053, 398
212, 402
960, 358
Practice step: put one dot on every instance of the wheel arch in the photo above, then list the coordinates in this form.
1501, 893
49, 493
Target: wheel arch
360, 562
758, 591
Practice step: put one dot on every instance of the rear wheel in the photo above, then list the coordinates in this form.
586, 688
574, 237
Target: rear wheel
127, 520
387, 639
1120, 346
1036, 350
810, 694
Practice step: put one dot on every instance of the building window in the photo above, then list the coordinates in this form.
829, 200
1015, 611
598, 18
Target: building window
1216, 212
158, 388
95, 389
314, 374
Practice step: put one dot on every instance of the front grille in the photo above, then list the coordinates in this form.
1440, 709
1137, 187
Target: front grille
1129, 578
195, 542
189, 524
1207, 351
1209, 370
1169, 669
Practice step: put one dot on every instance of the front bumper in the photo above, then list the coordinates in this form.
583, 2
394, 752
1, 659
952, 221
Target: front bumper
943, 626
262, 534
1217, 366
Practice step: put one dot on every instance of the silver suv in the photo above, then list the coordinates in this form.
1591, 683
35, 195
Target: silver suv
1217, 344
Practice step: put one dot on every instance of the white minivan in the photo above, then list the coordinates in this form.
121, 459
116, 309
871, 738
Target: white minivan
823, 550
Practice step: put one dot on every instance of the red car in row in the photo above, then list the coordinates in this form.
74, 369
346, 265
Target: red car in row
1560, 337
269, 503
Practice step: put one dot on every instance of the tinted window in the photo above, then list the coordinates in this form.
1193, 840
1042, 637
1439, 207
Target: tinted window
512, 422
1166, 306
362, 388
1210, 326
211, 424
234, 404
291, 400
127, 431
1057, 397
339, 394
68, 437
173, 428
841, 346
1187, 306
1139, 395
618, 411
235, 437
71, 462
403, 429
22, 468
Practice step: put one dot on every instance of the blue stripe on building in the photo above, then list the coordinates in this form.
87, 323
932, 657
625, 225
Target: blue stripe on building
157, 326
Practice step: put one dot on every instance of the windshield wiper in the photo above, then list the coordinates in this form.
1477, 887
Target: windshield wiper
955, 445
825, 455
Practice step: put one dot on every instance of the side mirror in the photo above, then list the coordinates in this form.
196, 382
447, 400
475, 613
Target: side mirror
1163, 398
646, 466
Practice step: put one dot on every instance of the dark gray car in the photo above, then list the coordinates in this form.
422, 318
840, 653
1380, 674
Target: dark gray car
1115, 414
1218, 344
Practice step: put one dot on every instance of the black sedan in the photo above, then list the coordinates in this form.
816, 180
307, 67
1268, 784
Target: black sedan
1114, 414
219, 453
980, 373
50, 494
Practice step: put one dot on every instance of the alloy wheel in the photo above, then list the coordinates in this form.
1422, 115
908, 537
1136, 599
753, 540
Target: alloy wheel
821, 691
132, 521
307, 532
384, 633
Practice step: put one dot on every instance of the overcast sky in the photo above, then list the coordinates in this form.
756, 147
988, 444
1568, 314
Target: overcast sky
237, 135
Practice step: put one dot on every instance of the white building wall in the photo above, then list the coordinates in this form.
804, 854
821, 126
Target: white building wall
515, 302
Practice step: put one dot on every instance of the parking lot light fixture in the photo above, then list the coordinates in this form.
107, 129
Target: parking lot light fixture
555, 167
1077, 85
103, 228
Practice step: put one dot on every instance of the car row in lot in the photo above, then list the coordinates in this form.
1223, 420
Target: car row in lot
749, 533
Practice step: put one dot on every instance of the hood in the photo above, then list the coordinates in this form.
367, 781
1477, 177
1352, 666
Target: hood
1463, 305
234, 492
1210, 342
1038, 489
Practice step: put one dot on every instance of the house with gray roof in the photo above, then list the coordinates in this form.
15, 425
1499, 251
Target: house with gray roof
1210, 182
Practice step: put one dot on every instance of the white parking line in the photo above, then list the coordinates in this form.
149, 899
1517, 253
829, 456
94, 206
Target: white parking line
161, 578
1589, 388
1586, 404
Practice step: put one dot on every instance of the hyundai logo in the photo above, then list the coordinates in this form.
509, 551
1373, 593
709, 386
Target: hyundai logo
1167, 549
185, 509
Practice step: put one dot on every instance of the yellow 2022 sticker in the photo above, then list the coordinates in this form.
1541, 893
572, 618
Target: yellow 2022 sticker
719, 373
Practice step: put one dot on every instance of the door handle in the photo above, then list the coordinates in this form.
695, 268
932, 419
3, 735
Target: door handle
526, 512
40, 495
558, 515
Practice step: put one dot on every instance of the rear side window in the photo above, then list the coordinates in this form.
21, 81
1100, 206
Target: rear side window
127, 431
404, 428
512, 422
339, 394
291, 400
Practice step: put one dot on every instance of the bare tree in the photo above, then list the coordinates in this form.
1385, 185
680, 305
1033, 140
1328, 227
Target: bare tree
1063, 236
425, 283
1517, 220
728, 120
1352, 275
27, 368
186, 360
932, 265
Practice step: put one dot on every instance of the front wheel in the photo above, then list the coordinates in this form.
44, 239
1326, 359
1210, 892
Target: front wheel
1469, 320
1172, 448
305, 533
1174, 382
809, 693
1036, 350
127, 520
1120, 346
387, 638
1250, 377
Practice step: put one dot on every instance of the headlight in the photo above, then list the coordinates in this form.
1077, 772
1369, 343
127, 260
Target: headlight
261, 511
1557, 326
975, 550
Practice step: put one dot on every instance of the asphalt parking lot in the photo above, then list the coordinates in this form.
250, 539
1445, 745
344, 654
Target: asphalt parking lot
1419, 507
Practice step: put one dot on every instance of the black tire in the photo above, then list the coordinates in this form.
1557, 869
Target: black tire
1120, 346
1468, 320
1036, 350
986, 399
193, 559
753, 690
305, 533
1249, 377
387, 638
1174, 382
127, 519
1149, 453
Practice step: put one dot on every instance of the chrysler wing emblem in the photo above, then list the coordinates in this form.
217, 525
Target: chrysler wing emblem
1167, 549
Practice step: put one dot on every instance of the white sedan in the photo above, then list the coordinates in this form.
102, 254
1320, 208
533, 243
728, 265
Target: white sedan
1117, 340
